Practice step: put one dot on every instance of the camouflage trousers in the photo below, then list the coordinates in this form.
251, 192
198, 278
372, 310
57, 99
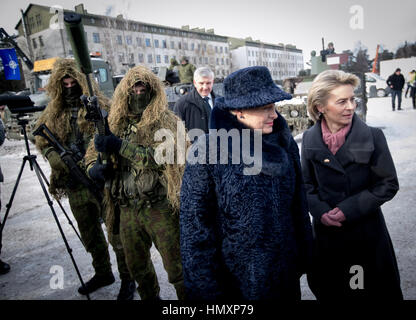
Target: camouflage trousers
141, 224
87, 213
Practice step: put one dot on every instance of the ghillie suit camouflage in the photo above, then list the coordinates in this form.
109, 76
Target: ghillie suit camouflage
65, 117
142, 200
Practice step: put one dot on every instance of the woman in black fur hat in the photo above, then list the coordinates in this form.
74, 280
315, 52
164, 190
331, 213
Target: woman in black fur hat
245, 230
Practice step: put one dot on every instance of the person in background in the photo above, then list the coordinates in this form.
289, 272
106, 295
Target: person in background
186, 71
349, 173
411, 85
195, 108
396, 83
4, 267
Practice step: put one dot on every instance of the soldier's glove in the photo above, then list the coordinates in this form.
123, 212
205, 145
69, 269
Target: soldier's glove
56, 162
99, 172
107, 144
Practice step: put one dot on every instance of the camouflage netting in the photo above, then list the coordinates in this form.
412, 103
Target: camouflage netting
58, 118
155, 117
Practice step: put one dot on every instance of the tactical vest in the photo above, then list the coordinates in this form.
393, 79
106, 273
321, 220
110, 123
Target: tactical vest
139, 182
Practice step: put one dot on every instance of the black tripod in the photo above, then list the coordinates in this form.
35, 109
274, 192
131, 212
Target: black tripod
41, 177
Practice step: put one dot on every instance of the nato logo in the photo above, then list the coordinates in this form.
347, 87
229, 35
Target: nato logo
10, 64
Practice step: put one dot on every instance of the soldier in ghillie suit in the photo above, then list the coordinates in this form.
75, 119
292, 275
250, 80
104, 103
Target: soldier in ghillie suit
143, 196
186, 71
65, 117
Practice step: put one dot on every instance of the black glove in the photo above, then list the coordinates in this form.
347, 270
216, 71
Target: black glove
99, 172
108, 144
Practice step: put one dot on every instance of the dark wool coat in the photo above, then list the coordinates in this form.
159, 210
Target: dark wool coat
358, 179
194, 111
245, 236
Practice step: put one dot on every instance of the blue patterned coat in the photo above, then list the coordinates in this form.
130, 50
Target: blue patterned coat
245, 236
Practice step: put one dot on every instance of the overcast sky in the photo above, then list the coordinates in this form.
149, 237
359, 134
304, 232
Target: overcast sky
299, 22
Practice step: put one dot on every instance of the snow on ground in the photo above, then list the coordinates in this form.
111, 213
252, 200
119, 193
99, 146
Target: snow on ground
32, 244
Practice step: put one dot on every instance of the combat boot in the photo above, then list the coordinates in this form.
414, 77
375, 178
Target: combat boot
4, 267
127, 289
96, 282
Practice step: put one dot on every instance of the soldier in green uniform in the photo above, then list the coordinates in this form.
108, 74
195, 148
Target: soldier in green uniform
173, 64
144, 193
186, 71
65, 117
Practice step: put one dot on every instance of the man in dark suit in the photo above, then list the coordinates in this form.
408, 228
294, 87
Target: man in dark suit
195, 107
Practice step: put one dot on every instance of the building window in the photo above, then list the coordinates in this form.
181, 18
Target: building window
179, 45
41, 41
156, 43
222, 61
225, 49
194, 60
31, 23
129, 40
131, 58
141, 58
158, 58
119, 40
120, 57
164, 45
226, 62
172, 45
149, 58
166, 59
148, 44
139, 41
200, 60
38, 20
185, 46
34, 43
204, 47
192, 46
218, 61
103, 76
96, 37
216, 49
206, 60
220, 49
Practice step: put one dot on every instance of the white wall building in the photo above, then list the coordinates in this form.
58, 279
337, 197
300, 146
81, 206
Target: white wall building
282, 61
126, 43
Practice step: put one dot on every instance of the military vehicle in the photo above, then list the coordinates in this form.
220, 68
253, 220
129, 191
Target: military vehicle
295, 113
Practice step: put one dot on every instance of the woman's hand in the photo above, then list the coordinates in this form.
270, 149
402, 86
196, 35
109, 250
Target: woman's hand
337, 215
329, 222
333, 218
